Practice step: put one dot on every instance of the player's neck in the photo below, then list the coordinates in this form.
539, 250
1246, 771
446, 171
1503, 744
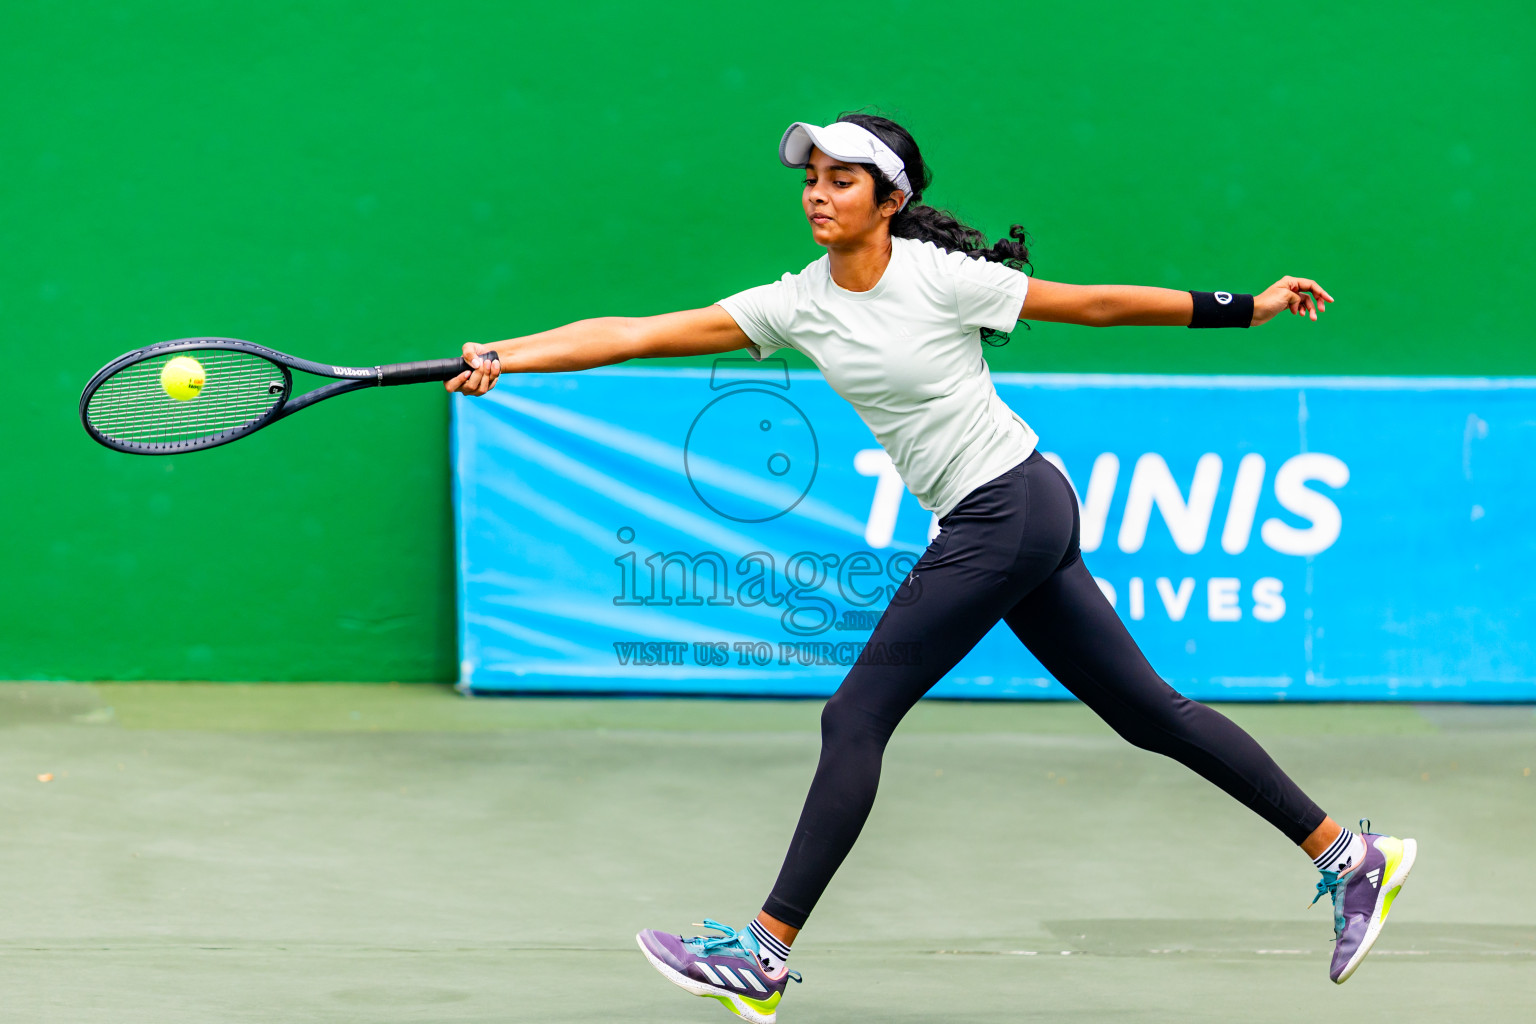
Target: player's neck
859, 267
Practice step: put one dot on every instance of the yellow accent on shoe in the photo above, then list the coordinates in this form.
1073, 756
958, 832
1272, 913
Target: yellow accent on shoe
725, 1001
763, 1005
1392, 849
1386, 908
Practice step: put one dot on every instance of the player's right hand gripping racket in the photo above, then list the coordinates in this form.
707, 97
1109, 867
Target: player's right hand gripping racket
179, 396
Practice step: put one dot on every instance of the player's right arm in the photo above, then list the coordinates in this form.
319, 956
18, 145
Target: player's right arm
601, 342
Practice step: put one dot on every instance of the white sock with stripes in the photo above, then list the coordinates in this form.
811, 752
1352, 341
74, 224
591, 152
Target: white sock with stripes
1346, 851
773, 952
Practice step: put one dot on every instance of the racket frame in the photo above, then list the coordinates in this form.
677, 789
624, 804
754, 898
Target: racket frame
347, 378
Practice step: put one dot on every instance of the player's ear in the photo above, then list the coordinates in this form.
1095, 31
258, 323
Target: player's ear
892, 205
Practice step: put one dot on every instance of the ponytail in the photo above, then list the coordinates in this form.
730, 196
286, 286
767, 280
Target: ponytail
930, 224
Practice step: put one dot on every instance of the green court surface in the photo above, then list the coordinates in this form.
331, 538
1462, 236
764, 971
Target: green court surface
349, 853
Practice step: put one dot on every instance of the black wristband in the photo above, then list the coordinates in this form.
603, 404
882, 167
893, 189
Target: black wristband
1221, 309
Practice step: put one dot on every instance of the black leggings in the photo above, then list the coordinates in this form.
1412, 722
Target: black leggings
1009, 550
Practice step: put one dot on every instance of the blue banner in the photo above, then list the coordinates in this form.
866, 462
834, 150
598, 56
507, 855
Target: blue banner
737, 530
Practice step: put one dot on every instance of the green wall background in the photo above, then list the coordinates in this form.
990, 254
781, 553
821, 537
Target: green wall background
365, 182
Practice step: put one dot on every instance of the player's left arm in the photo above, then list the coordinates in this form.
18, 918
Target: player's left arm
1130, 305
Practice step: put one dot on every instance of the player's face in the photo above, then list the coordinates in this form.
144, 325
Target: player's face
839, 201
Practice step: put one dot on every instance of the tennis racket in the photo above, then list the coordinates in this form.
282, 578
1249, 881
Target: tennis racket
180, 396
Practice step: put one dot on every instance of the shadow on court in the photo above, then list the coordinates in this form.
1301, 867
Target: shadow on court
192, 853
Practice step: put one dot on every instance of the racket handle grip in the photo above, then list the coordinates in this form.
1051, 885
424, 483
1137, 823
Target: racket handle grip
424, 371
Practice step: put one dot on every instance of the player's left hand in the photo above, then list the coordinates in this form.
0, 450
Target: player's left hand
1301, 296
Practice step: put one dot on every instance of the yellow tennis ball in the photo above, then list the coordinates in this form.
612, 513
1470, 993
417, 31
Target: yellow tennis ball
182, 378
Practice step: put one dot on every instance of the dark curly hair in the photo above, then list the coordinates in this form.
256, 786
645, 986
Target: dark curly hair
928, 224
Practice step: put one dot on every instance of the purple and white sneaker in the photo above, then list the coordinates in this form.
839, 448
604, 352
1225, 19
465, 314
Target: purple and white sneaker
724, 967
1362, 897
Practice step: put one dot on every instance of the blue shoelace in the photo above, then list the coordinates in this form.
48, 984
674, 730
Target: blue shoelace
1331, 888
722, 945
715, 945
1327, 888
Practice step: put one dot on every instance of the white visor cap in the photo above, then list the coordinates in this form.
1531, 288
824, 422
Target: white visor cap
844, 140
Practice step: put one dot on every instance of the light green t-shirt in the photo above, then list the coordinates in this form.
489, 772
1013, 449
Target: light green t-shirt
907, 355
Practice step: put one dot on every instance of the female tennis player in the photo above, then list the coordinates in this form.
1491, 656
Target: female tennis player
894, 316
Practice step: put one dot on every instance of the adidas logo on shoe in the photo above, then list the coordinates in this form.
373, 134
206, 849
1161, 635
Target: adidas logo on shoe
1374, 877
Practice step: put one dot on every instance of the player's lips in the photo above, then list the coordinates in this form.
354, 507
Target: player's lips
820, 218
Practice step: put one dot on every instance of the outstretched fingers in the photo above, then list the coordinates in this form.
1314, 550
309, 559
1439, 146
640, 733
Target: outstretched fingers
1313, 297
1301, 295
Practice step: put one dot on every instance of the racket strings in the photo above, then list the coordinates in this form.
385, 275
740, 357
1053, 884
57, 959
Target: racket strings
134, 406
